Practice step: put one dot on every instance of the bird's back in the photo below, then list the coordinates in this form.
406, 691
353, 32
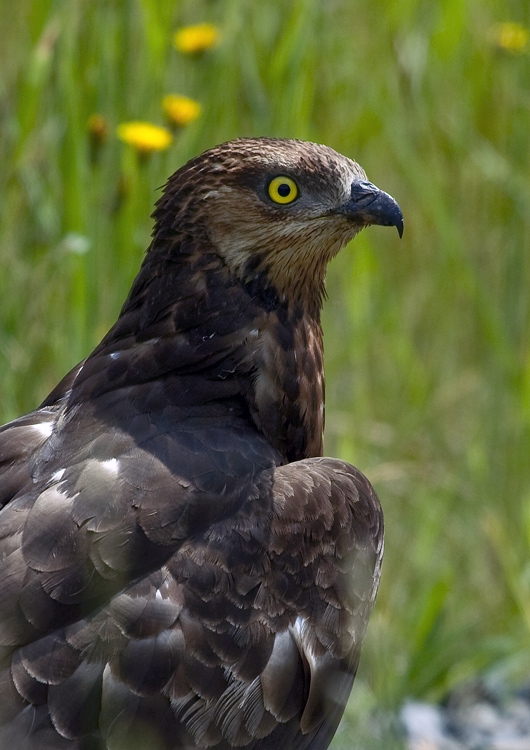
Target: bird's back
205, 602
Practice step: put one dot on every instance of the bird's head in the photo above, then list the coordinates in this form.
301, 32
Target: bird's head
273, 209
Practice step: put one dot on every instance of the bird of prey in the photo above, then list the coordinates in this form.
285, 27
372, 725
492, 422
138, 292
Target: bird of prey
179, 566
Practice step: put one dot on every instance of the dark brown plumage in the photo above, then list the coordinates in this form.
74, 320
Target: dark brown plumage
179, 568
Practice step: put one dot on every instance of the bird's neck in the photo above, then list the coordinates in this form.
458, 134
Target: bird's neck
287, 395
193, 337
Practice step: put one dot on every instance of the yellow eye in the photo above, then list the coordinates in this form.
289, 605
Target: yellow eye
282, 189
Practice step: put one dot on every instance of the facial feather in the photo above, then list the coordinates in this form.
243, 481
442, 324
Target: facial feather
290, 244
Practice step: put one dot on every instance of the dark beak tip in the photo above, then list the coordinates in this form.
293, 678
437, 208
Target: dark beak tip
371, 205
386, 211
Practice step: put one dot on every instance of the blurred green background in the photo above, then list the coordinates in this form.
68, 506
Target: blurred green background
427, 339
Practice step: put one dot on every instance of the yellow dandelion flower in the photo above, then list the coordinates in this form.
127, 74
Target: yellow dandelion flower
180, 110
144, 136
510, 36
192, 40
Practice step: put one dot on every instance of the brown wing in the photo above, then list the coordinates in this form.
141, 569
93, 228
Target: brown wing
196, 607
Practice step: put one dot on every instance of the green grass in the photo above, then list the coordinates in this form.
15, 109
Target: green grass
427, 339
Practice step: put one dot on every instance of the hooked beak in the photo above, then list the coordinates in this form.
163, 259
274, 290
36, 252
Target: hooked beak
369, 205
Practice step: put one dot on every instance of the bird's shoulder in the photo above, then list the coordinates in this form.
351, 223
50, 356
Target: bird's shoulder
95, 497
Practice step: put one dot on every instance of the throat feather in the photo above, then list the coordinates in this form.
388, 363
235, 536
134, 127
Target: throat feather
289, 385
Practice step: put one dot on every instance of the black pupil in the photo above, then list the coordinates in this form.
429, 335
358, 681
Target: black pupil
284, 189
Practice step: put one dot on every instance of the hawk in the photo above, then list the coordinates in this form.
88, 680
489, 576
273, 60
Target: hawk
179, 565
